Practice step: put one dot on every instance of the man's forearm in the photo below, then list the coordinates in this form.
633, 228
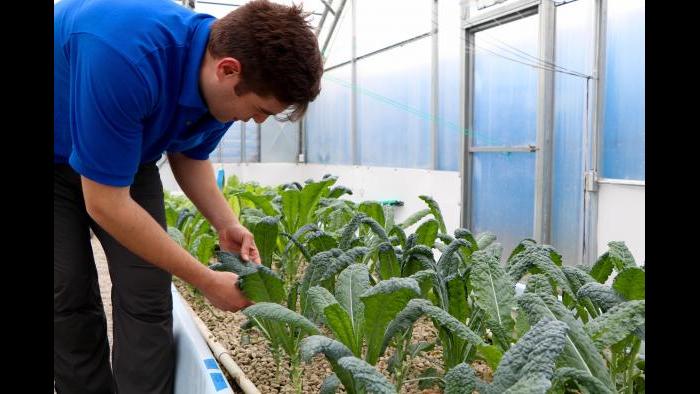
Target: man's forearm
196, 178
136, 230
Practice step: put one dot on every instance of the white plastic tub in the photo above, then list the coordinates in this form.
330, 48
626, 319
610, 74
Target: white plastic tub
196, 369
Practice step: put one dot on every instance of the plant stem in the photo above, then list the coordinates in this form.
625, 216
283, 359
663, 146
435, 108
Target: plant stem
296, 374
629, 379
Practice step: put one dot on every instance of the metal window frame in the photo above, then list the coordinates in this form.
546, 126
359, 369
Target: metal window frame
470, 26
545, 127
593, 141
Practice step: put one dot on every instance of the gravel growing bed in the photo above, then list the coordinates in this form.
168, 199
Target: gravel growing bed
252, 355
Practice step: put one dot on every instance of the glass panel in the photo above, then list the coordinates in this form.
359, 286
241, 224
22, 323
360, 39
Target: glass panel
386, 22
449, 132
503, 196
339, 48
505, 89
394, 107
229, 147
624, 129
252, 142
328, 120
574, 35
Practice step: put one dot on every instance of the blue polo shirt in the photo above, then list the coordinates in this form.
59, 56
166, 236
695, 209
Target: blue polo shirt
126, 86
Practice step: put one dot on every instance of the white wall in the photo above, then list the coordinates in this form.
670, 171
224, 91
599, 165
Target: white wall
366, 183
621, 218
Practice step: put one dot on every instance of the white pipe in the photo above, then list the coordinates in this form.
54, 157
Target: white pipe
223, 356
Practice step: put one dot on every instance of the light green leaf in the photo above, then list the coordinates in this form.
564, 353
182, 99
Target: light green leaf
435, 210
630, 283
382, 303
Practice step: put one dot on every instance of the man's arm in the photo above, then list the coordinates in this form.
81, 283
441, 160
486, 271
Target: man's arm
196, 178
116, 212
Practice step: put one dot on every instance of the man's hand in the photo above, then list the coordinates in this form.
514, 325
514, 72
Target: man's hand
237, 238
222, 291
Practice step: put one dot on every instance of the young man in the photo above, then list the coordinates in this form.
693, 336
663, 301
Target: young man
134, 79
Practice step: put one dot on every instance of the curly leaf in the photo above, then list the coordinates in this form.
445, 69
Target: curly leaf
374, 210
540, 257
492, 289
330, 384
485, 239
576, 277
446, 265
617, 323
617, 257
277, 313
418, 307
461, 379
389, 266
366, 376
337, 191
348, 232
260, 284
580, 351
533, 358
590, 383
602, 296
539, 284
400, 235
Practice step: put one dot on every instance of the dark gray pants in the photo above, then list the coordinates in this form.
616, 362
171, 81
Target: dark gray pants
143, 357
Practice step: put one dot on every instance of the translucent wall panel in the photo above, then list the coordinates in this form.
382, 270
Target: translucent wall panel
503, 196
624, 130
505, 91
279, 141
328, 120
339, 48
252, 142
229, 149
385, 22
449, 132
393, 101
574, 36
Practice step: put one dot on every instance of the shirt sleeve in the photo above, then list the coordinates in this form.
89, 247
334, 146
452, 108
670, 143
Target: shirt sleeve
109, 98
204, 149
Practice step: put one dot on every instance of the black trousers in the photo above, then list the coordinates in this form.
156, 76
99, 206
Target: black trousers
143, 354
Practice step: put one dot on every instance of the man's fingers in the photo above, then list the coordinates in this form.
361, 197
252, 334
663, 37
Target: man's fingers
244, 248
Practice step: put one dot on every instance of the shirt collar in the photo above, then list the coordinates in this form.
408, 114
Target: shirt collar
189, 94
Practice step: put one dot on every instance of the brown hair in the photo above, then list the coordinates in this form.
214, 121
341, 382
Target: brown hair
277, 49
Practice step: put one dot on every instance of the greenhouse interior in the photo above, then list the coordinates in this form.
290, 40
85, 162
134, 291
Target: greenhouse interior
460, 209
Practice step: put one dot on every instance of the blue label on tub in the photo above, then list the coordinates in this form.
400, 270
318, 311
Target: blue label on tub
219, 381
210, 363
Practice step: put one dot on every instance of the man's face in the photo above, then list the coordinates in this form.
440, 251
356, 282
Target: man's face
223, 102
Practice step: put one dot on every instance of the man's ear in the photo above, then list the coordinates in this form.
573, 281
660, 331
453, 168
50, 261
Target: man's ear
228, 67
